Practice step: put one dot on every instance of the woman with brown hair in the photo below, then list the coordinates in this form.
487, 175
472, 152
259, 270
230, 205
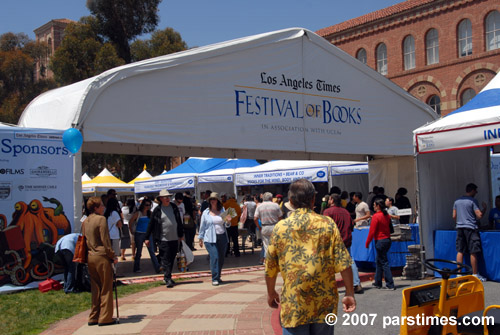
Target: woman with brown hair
100, 259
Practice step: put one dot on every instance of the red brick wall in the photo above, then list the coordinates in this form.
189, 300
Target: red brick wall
452, 75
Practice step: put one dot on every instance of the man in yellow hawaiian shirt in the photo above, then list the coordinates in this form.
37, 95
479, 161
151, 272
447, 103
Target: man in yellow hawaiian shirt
308, 250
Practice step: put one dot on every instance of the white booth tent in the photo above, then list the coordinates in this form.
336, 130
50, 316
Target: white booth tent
452, 152
105, 181
287, 94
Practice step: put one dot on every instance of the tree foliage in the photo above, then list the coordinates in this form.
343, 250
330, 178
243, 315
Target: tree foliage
17, 67
162, 42
82, 53
123, 20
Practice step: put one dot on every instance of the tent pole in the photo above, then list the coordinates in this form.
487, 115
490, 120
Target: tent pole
420, 223
77, 191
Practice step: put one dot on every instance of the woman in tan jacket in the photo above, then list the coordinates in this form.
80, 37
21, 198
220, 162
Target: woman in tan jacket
100, 260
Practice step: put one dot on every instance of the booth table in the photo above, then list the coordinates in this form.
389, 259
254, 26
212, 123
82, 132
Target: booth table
366, 257
489, 261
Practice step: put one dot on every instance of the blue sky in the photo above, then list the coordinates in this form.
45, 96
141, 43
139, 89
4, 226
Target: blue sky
202, 22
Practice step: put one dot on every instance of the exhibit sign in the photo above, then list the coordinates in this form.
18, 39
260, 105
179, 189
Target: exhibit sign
315, 175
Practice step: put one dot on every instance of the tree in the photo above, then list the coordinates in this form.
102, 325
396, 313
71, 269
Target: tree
82, 53
123, 20
10, 41
162, 42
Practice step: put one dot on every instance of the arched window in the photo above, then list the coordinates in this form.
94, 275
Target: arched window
493, 31
432, 46
409, 52
382, 59
464, 38
361, 55
467, 95
435, 103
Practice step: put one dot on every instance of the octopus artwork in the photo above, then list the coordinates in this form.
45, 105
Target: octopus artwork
30, 239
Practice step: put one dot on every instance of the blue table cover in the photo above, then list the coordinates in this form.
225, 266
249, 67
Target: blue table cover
366, 257
489, 260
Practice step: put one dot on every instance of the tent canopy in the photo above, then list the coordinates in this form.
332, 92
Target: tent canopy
284, 94
104, 181
85, 178
144, 175
453, 152
476, 124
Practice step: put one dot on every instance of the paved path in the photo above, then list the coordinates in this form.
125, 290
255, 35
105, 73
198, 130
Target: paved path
192, 307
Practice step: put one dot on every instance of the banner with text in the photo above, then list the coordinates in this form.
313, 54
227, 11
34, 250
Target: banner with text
315, 175
152, 185
36, 202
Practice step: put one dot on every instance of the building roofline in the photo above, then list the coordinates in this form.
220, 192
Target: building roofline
373, 16
63, 22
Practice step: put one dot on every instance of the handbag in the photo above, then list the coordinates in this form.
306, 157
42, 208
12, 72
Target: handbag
243, 217
81, 249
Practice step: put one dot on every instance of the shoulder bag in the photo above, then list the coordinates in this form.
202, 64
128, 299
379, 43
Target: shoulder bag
81, 249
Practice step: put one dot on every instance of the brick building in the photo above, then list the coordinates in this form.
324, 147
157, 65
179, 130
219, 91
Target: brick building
441, 51
51, 33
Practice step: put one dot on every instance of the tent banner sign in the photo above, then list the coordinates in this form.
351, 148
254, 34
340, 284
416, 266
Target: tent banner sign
162, 184
36, 202
349, 169
315, 175
458, 139
215, 179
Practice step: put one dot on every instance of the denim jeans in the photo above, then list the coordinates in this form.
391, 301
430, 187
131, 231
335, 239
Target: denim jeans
355, 273
310, 329
139, 241
217, 252
66, 257
382, 263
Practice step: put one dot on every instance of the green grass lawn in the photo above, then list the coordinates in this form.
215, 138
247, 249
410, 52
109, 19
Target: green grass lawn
31, 312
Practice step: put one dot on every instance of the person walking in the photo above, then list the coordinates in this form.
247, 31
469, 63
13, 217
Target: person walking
233, 229
100, 263
269, 213
308, 250
380, 231
345, 225
213, 235
113, 216
166, 227
140, 220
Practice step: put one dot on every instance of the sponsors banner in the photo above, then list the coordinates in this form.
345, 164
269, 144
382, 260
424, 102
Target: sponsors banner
315, 175
169, 184
36, 202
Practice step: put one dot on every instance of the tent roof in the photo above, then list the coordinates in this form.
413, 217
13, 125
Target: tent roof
106, 179
194, 165
85, 177
144, 175
475, 124
283, 94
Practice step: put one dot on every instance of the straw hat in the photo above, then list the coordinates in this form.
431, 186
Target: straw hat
214, 195
165, 193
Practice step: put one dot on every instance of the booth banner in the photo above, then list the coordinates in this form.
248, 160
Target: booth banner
215, 179
349, 169
461, 138
161, 184
96, 189
315, 175
36, 202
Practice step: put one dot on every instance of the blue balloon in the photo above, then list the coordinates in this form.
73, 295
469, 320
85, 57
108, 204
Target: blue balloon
72, 139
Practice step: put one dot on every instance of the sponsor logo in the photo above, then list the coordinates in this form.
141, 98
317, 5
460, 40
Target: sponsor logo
190, 181
11, 171
426, 142
36, 188
43, 172
320, 174
5, 191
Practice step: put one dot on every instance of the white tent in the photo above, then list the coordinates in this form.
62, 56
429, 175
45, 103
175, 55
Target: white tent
452, 152
105, 181
288, 94
85, 177
144, 175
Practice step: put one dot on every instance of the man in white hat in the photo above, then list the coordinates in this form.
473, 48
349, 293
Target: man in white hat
166, 226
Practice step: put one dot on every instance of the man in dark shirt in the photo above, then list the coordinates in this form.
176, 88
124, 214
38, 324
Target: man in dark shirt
345, 225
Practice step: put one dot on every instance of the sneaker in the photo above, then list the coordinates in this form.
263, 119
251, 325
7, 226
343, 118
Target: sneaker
478, 276
358, 289
170, 283
215, 283
376, 286
389, 288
